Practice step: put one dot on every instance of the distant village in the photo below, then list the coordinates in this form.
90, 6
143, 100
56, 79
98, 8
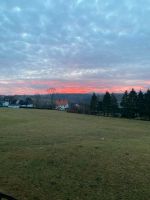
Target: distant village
131, 104
79, 103
36, 101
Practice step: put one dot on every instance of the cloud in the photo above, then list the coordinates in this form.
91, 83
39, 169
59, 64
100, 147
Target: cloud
17, 9
75, 40
41, 86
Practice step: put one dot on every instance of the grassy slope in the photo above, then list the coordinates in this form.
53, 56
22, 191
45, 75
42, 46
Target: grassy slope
51, 155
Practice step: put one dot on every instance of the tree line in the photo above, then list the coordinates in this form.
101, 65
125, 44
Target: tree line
132, 105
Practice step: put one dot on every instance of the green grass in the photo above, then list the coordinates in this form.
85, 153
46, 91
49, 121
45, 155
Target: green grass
51, 155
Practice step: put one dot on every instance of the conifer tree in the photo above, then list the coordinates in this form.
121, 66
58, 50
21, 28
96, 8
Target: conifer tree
140, 104
147, 104
114, 105
107, 104
94, 104
100, 107
132, 104
125, 104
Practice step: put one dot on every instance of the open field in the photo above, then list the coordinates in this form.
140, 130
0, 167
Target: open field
51, 155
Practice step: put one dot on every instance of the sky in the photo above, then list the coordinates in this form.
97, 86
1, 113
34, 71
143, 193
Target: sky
74, 46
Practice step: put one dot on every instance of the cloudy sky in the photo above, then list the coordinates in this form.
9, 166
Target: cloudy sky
74, 45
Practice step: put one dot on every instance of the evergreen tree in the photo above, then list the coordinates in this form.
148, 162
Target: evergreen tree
100, 107
140, 104
94, 104
147, 104
114, 105
125, 104
132, 106
107, 104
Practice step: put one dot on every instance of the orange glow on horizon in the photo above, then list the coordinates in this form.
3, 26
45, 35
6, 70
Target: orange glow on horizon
81, 90
31, 87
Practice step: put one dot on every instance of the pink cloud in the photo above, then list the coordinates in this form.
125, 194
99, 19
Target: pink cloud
41, 86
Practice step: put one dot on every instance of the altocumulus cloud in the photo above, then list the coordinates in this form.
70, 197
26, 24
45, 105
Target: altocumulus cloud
74, 45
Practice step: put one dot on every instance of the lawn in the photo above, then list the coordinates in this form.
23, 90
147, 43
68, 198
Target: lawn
52, 155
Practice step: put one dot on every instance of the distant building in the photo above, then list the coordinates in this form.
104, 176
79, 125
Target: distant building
27, 106
62, 104
5, 104
13, 106
30, 106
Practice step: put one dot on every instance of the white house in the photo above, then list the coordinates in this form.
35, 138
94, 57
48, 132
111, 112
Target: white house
5, 104
62, 104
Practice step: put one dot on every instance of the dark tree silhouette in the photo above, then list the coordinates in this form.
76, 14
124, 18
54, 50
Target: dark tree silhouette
28, 101
125, 104
140, 104
114, 105
147, 104
21, 102
132, 104
100, 107
107, 104
51, 92
94, 104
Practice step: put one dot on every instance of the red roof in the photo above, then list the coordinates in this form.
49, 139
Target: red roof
61, 102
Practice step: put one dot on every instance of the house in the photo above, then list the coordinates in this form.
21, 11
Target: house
30, 106
62, 104
13, 106
5, 104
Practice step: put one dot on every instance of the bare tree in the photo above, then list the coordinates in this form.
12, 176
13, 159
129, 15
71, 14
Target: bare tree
37, 100
51, 92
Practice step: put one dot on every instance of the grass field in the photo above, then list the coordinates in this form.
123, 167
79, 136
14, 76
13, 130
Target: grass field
51, 155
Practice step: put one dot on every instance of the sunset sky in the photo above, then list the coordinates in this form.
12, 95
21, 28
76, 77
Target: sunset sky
75, 46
